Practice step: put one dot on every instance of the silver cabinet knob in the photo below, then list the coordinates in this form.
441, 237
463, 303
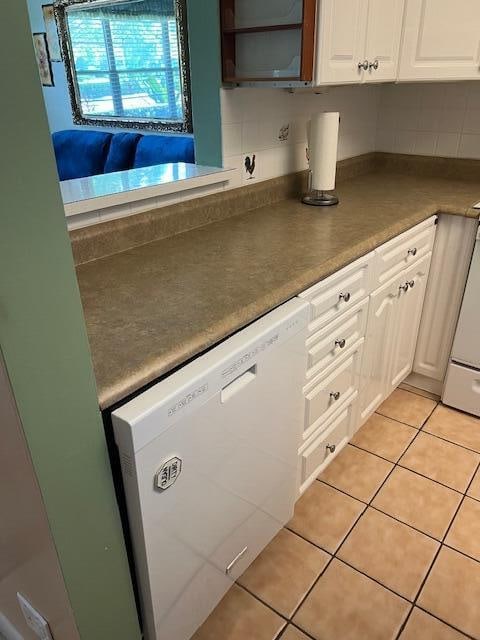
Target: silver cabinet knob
340, 343
335, 395
363, 65
344, 296
404, 287
373, 65
331, 448
411, 283
412, 252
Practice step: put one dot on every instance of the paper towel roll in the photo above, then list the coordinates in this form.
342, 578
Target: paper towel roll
322, 148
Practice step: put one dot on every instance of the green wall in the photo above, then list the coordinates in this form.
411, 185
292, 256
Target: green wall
205, 73
42, 336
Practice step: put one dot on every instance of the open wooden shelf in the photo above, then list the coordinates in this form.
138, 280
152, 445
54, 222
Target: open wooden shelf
238, 43
268, 27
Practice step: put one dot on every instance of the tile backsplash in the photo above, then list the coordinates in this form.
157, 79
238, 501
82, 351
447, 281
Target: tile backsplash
441, 119
270, 124
438, 119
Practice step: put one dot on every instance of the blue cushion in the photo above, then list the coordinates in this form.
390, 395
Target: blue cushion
122, 152
153, 150
80, 153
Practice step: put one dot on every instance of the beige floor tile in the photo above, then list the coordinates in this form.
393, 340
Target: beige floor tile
238, 616
324, 516
422, 626
460, 428
384, 437
407, 407
464, 534
284, 572
388, 551
452, 591
346, 605
417, 501
474, 488
357, 472
419, 392
292, 633
441, 461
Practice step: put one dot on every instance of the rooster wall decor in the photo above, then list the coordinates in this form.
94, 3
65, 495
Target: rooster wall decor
250, 166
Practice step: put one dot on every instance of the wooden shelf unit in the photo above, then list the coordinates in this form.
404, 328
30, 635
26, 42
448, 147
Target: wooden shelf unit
229, 33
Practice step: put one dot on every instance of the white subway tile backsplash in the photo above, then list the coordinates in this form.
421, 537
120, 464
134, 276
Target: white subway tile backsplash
273, 125
425, 143
231, 139
472, 121
469, 146
447, 145
418, 118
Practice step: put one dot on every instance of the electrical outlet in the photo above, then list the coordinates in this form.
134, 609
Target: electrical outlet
35, 620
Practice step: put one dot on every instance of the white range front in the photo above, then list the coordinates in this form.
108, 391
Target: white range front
209, 461
462, 386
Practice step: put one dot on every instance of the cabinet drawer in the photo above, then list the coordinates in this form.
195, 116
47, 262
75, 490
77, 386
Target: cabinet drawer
334, 340
339, 292
320, 450
462, 388
325, 394
397, 254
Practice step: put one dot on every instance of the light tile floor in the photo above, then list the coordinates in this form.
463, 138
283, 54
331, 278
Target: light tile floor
384, 545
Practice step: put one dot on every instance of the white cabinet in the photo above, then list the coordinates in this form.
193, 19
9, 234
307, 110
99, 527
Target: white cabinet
378, 347
408, 312
363, 351
384, 29
441, 40
357, 40
452, 252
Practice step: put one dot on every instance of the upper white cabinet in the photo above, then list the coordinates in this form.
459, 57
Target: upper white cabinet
441, 40
384, 29
358, 40
340, 47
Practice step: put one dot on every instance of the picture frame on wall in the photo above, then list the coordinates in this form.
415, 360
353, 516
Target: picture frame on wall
43, 59
52, 33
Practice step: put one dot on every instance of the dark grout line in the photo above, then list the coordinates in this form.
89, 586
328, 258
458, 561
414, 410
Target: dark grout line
422, 395
365, 509
467, 635
451, 442
422, 475
405, 424
269, 606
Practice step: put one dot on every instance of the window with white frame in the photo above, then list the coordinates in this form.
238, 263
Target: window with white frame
127, 62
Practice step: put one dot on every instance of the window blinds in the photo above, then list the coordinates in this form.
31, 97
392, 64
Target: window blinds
126, 58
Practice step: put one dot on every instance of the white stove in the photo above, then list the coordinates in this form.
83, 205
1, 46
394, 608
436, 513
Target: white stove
462, 385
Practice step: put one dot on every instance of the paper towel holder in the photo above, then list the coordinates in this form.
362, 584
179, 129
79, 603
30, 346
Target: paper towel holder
317, 197
320, 199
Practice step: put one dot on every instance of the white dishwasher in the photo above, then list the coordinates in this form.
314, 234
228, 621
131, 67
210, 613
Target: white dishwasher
209, 462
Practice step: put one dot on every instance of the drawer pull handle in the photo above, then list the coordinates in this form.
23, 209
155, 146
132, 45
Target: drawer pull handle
331, 448
412, 252
411, 284
235, 560
340, 343
404, 287
344, 296
335, 395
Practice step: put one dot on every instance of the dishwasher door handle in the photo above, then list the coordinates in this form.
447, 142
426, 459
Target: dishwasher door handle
238, 384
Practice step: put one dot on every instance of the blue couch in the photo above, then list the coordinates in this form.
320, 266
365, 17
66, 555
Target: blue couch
82, 153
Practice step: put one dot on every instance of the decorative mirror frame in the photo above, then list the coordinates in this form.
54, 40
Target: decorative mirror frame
61, 10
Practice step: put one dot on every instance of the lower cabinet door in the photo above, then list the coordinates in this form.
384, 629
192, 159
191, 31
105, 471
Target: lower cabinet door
408, 315
381, 328
319, 450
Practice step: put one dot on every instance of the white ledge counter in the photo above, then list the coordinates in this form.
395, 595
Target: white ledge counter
90, 196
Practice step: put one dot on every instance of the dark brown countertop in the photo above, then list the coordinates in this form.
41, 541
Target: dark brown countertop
152, 307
